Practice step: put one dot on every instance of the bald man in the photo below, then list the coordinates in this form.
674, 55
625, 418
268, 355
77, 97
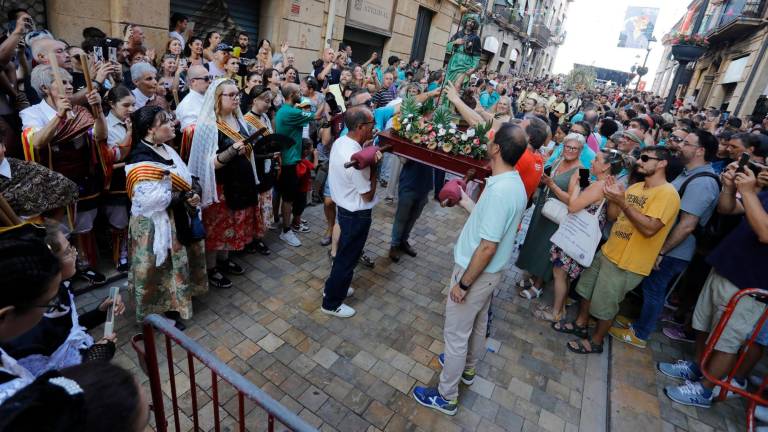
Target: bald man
189, 107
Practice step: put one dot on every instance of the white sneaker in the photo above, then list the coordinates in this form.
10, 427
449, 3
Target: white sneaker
761, 413
290, 238
731, 395
342, 311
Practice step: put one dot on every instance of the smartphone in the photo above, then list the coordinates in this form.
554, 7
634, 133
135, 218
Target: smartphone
583, 177
743, 160
98, 54
112, 54
725, 115
548, 171
109, 325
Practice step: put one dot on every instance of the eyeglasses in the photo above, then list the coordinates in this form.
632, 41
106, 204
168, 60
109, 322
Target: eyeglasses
52, 305
572, 148
675, 138
231, 95
205, 78
646, 158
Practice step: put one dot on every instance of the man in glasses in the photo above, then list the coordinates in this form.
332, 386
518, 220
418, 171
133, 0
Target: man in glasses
698, 188
644, 214
189, 107
354, 192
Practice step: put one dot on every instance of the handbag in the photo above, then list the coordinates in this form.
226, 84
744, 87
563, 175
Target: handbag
554, 209
579, 235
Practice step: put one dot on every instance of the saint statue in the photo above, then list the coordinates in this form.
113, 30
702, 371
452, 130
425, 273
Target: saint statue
464, 48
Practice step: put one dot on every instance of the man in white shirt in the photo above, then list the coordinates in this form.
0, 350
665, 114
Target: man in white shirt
354, 192
189, 107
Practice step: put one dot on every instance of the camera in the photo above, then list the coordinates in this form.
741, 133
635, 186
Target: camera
330, 99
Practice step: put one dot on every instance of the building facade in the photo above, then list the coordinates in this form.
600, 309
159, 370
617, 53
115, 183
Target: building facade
520, 36
732, 74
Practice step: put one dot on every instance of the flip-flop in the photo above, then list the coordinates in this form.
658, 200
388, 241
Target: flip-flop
526, 293
525, 283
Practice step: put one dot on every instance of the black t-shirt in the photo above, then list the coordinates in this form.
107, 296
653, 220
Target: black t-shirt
333, 77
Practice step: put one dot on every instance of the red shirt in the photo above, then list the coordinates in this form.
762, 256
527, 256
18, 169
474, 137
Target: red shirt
531, 167
304, 173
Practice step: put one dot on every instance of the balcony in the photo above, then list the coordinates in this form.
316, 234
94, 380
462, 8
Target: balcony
739, 19
558, 39
508, 18
541, 34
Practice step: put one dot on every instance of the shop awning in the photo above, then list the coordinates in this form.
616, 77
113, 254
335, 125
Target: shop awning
491, 44
735, 70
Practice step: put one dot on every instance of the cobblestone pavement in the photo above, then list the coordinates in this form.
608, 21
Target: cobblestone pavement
357, 374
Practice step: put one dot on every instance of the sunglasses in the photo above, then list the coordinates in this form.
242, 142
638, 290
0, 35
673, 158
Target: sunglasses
646, 158
675, 138
205, 78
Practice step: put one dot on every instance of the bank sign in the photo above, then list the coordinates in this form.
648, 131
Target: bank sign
372, 15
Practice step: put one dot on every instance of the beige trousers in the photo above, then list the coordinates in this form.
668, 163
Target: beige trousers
464, 330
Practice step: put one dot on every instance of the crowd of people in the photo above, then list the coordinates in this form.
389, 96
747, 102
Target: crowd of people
181, 157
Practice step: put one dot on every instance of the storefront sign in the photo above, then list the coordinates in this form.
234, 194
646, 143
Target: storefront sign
371, 15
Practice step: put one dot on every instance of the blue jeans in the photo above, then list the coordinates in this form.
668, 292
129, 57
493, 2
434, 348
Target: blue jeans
654, 291
410, 203
354, 232
439, 181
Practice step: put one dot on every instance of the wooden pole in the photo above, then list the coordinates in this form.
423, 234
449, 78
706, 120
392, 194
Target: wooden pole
57, 77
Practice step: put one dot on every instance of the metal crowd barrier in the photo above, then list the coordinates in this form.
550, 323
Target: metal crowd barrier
148, 359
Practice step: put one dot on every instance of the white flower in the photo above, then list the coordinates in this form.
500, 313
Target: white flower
453, 130
484, 147
463, 137
470, 132
405, 121
408, 128
441, 132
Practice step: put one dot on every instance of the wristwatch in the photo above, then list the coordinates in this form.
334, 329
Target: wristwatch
462, 286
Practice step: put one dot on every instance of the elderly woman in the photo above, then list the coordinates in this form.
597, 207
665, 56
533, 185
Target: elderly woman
566, 269
228, 177
535, 251
64, 138
144, 77
167, 248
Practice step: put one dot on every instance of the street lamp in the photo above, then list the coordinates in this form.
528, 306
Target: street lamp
642, 70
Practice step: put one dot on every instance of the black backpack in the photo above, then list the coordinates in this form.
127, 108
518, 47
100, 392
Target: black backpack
717, 227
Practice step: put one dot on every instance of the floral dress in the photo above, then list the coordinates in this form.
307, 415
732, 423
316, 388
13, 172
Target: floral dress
559, 259
165, 273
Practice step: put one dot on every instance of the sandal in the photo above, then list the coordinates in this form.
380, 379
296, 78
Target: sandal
546, 314
525, 283
367, 261
582, 349
526, 293
574, 329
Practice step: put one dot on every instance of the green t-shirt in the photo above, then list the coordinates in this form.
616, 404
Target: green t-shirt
290, 121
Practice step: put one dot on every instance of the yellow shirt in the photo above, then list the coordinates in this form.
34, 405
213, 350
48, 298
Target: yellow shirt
627, 247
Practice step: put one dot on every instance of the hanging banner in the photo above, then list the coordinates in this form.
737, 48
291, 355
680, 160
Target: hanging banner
638, 27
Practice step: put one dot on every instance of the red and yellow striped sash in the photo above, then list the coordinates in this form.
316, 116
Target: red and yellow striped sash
153, 173
256, 122
186, 142
228, 131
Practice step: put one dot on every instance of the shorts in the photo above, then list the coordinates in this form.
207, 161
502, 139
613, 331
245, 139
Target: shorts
327, 189
288, 183
84, 221
714, 297
117, 215
604, 284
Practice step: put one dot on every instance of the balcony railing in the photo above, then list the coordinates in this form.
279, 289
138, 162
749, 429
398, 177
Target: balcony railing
508, 18
541, 34
738, 9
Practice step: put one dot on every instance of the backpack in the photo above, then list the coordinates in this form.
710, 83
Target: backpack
717, 227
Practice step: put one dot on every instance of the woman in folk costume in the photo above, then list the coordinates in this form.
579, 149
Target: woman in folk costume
64, 138
266, 167
167, 240
115, 202
224, 163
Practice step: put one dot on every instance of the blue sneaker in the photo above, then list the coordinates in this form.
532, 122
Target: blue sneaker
690, 393
467, 377
681, 369
430, 398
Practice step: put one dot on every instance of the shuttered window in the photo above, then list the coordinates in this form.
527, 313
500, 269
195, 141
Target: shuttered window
227, 17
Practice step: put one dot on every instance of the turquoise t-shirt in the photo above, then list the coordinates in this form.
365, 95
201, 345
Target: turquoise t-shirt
380, 116
495, 218
488, 100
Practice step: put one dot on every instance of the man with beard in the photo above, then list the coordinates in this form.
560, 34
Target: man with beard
464, 47
699, 189
644, 214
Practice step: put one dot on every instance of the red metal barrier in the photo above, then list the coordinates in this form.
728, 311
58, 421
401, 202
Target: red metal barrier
148, 359
753, 398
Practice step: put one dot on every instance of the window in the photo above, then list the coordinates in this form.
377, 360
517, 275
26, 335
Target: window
504, 48
499, 66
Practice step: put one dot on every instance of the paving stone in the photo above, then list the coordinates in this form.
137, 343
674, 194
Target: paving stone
378, 414
483, 387
364, 360
401, 382
508, 420
333, 412
270, 343
551, 422
313, 398
325, 357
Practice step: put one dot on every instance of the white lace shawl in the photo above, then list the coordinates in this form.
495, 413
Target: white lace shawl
205, 143
151, 199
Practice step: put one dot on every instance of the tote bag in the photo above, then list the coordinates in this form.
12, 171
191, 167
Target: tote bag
579, 234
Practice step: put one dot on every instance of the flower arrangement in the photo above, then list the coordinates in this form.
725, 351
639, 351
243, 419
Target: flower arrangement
686, 39
436, 128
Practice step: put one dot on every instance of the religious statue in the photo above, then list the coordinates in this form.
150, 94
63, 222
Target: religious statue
464, 48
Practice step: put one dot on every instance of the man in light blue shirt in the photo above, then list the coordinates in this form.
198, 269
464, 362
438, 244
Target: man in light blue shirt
490, 97
483, 249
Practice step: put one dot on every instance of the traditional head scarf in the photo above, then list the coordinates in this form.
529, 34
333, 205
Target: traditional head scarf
206, 141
